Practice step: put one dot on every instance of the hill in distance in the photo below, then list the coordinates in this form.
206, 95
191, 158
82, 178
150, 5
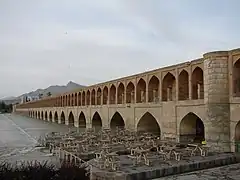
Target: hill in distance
54, 90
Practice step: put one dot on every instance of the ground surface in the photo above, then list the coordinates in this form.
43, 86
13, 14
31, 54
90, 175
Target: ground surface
19, 135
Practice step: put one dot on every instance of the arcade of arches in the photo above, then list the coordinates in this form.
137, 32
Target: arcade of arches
172, 88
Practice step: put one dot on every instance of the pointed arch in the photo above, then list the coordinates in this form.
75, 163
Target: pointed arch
191, 128
71, 119
149, 124
63, 118
236, 78
93, 97
169, 87
153, 89
82, 121
69, 100
38, 115
197, 84
46, 115
117, 121
112, 94
88, 98
97, 121
99, 96
79, 99
75, 99
83, 98
183, 85
120, 94
130, 93
56, 116
42, 115
105, 95
50, 116
72, 100
141, 91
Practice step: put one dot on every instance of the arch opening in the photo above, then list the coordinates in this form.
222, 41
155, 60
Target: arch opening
42, 115
191, 129
169, 88
120, 94
72, 100
62, 118
153, 89
97, 122
93, 97
99, 96
75, 100
236, 78
69, 100
183, 86
237, 137
56, 117
39, 116
88, 98
197, 84
71, 119
141, 91
83, 98
50, 116
148, 124
112, 95
130, 96
79, 99
46, 116
82, 121
105, 95
117, 122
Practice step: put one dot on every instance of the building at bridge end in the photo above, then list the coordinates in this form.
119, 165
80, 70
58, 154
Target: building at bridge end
188, 101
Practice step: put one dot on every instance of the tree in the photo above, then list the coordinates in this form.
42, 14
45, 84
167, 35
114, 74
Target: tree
40, 96
49, 94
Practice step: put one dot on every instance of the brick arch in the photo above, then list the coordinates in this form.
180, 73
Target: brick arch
141, 91
97, 121
169, 87
38, 116
130, 93
105, 95
117, 121
153, 89
50, 116
197, 83
46, 115
56, 116
148, 123
93, 97
120, 93
63, 118
236, 78
70, 119
83, 98
82, 123
191, 128
88, 98
42, 116
99, 96
183, 85
112, 94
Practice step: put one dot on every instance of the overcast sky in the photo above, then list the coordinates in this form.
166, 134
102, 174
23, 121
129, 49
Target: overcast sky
46, 42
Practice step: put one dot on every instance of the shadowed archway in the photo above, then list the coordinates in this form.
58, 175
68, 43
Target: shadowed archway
56, 117
149, 124
191, 129
82, 121
63, 118
169, 87
42, 115
197, 84
71, 119
117, 121
46, 116
153, 89
141, 91
50, 116
97, 121
183, 86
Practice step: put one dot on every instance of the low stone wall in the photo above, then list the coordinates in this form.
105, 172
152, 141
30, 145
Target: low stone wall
145, 173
